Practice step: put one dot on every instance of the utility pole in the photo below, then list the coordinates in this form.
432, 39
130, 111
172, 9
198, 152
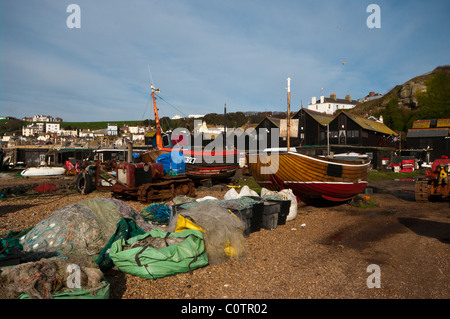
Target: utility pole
225, 118
288, 113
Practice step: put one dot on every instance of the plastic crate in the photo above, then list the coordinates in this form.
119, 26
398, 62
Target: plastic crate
270, 216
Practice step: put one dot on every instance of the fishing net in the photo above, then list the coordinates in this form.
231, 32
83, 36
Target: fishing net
223, 231
10, 247
157, 213
42, 279
80, 231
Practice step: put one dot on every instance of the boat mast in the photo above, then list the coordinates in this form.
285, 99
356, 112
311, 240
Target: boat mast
328, 139
288, 113
158, 126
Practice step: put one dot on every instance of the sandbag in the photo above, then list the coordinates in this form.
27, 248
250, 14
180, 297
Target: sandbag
285, 194
231, 194
140, 256
245, 191
288, 194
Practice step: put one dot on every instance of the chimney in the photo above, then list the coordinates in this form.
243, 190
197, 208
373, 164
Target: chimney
371, 93
322, 99
313, 100
333, 96
348, 98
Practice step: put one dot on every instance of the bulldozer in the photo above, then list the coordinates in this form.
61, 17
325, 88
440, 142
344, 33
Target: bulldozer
436, 182
145, 182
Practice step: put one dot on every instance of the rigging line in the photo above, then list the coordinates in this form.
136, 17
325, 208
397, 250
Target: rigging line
172, 105
151, 77
149, 98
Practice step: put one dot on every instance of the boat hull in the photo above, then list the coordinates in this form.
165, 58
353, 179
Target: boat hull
202, 165
310, 177
43, 171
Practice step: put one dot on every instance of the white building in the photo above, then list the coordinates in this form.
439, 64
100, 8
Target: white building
332, 104
64, 132
371, 96
52, 127
42, 118
112, 129
33, 129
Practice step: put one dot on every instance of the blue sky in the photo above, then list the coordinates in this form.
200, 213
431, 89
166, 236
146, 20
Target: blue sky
205, 53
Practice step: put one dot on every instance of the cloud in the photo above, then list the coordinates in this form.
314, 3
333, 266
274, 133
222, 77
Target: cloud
203, 54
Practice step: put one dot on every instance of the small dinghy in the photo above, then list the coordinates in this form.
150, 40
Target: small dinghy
43, 171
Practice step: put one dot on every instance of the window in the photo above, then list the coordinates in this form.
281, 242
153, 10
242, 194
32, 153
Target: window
334, 134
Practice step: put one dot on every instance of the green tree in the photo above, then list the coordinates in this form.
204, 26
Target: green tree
435, 101
393, 117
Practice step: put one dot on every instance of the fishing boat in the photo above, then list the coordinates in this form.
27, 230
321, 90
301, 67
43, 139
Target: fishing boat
200, 164
310, 177
43, 171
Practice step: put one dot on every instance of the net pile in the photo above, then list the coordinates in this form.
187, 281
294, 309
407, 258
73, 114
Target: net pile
157, 213
223, 231
40, 279
80, 231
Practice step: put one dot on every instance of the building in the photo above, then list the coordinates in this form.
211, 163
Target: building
350, 129
112, 129
332, 104
268, 139
42, 118
312, 127
431, 137
68, 133
371, 96
52, 127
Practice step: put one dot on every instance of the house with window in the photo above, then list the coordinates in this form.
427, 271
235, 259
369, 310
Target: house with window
312, 127
332, 104
112, 129
350, 129
52, 127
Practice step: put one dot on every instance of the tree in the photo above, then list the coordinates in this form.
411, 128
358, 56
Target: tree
435, 102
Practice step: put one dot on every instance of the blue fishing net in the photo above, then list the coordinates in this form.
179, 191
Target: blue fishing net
157, 213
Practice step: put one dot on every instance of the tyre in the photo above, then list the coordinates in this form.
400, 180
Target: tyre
84, 183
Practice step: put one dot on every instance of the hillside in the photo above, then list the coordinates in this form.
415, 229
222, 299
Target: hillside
423, 97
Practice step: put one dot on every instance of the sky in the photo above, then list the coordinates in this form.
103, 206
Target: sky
205, 54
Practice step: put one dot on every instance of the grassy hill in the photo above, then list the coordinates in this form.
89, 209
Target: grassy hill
424, 97
96, 125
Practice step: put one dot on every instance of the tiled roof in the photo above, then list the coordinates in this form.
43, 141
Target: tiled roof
370, 124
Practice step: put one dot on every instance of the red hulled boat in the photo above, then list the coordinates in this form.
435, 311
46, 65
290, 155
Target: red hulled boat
310, 177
